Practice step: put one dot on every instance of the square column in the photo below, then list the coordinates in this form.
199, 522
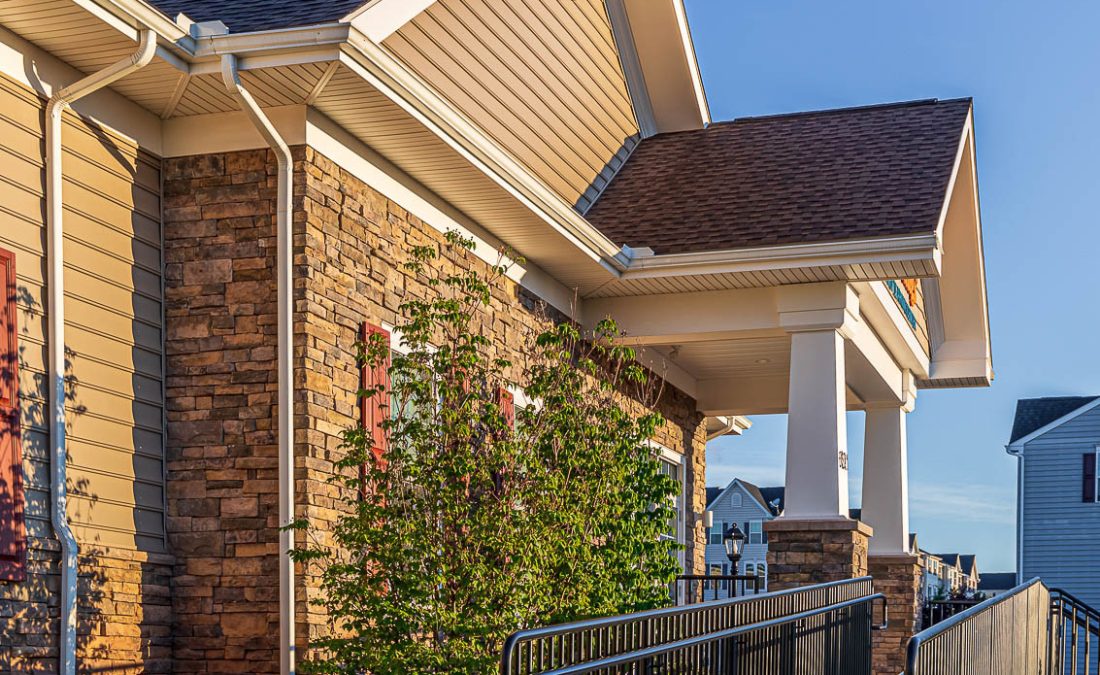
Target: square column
817, 442
886, 479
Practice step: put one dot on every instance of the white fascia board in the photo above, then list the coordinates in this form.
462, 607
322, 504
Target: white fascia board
128, 17
1017, 447
632, 67
692, 61
640, 264
242, 44
959, 154
385, 73
382, 18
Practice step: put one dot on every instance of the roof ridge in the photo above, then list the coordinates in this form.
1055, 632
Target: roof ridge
846, 109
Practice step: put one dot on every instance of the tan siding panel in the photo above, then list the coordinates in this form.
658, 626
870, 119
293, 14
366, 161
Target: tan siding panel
543, 80
113, 322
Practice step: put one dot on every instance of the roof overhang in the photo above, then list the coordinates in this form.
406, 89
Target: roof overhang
956, 302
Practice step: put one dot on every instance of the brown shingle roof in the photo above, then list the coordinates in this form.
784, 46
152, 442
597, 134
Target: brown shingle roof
822, 176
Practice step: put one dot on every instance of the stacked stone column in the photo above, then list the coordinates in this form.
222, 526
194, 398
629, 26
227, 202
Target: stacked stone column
804, 552
898, 578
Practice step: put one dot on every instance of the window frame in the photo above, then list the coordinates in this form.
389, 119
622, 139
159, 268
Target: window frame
759, 524
675, 459
737, 500
1096, 477
13, 562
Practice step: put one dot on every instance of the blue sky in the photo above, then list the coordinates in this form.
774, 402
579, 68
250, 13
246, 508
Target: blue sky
1034, 72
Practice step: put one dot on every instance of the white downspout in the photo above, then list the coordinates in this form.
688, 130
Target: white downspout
55, 282
285, 351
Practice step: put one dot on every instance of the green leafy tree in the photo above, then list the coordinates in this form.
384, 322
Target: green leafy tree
471, 525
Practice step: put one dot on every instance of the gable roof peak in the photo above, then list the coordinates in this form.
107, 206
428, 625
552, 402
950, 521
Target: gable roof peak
1033, 414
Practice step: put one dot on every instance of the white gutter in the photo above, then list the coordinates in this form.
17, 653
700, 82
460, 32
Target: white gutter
285, 351
730, 424
55, 283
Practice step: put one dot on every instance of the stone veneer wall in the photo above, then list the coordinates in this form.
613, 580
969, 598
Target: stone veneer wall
221, 387
803, 552
123, 612
349, 245
897, 577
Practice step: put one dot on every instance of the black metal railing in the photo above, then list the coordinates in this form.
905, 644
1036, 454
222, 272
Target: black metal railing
689, 589
935, 611
1031, 630
1075, 635
812, 630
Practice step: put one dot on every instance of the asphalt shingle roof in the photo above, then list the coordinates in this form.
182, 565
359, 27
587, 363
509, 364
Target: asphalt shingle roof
712, 494
830, 175
244, 16
997, 581
1035, 413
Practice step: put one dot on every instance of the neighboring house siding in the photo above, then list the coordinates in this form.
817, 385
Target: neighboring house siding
542, 78
724, 511
112, 323
1060, 533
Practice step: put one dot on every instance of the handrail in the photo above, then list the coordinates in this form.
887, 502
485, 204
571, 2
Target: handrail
561, 628
657, 650
944, 626
537, 650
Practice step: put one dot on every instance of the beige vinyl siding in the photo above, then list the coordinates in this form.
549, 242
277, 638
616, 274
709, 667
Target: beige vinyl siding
113, 308
541, 77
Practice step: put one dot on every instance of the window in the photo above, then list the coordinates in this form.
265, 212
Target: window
756, 531
714, 537
12, 533
670, 466
735, 500
1090, 490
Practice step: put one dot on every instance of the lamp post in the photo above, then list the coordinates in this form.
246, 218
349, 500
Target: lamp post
734, 541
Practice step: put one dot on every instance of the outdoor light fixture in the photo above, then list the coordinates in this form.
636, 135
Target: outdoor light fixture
734, 541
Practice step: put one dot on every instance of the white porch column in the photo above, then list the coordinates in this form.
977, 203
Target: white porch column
817, 444
886, 479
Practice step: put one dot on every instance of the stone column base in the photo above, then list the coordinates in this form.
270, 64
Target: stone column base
803, 552
898, 578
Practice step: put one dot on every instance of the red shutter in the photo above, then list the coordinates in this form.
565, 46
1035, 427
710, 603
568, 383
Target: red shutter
373, 409
13, 536
1088, 491
507, 403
